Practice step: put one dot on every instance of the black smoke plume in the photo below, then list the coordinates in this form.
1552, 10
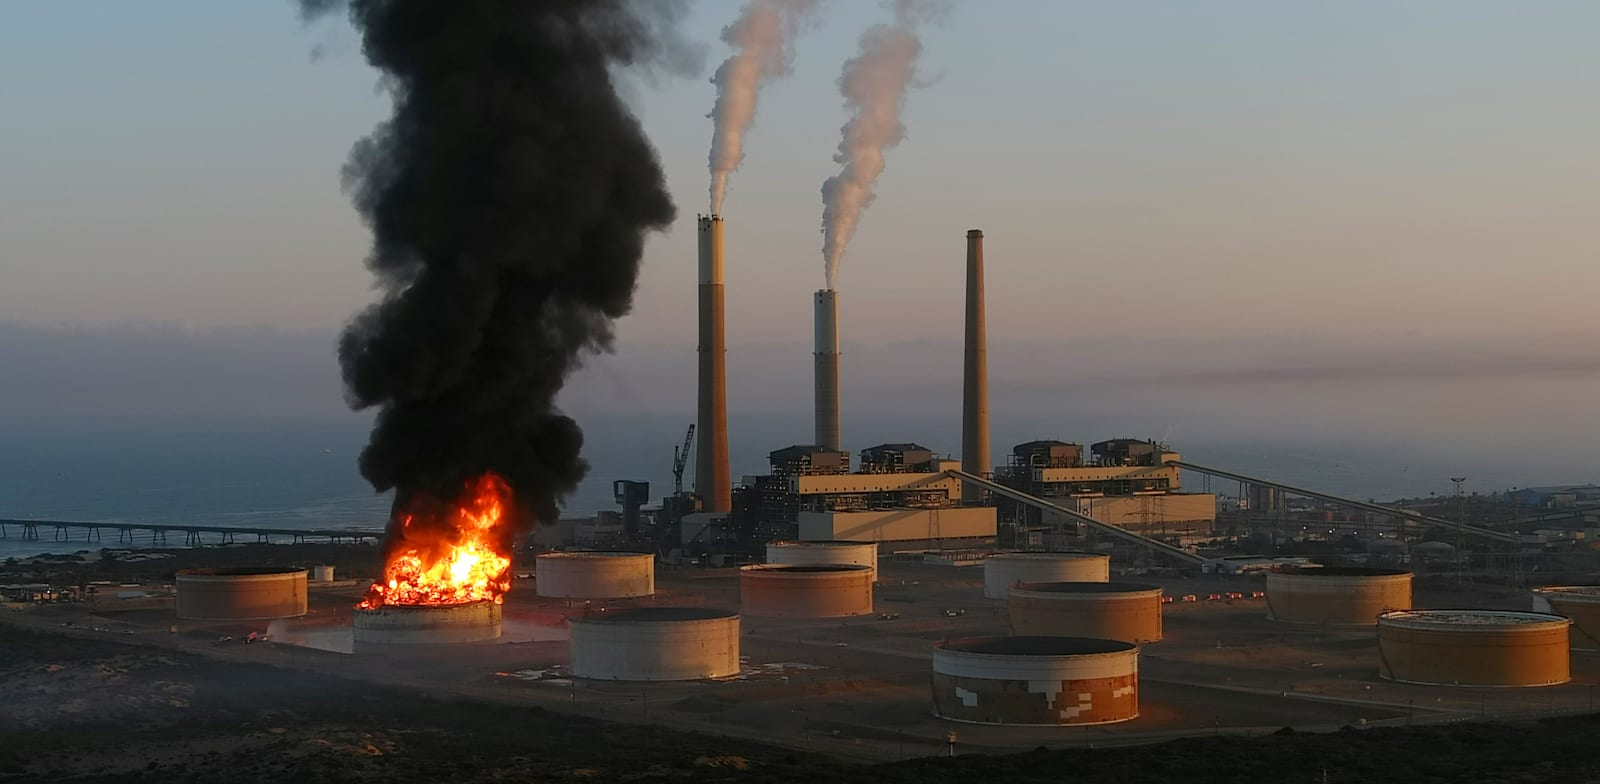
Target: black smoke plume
509, 197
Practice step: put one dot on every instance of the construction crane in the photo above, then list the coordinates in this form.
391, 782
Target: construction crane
680, 457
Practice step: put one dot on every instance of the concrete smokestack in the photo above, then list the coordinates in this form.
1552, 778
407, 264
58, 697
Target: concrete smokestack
975, 375
712, 481
827, 370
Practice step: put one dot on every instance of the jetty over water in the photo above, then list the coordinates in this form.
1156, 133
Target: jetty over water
193, 535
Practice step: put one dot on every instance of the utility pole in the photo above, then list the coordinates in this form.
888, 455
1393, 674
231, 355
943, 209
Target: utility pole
1460, 524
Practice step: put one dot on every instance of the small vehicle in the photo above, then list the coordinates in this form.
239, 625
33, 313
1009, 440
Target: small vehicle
1165, 599
954, 613
1213, 597
888, 616
1258, 594
1189, 597
1235, 595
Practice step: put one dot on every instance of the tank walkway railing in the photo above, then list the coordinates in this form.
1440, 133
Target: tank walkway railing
1130, 537
194, 535
1499, 536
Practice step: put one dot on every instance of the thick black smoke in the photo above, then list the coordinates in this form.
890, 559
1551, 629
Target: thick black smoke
509, 198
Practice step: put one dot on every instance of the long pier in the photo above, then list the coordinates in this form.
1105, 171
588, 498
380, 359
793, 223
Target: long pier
193, 535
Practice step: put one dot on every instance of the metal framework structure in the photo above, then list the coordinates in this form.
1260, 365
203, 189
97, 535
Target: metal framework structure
1498, 536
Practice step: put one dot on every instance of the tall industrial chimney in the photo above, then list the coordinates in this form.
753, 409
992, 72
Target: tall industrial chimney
712, 481
827, 371
975, 375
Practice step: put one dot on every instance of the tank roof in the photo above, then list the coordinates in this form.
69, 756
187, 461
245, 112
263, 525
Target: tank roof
1584, 593
239, 571
1346, 571
1050, 556
1086, 587
594, 554
1469, 617
822, 543
803, 569
1037, 646
657, 615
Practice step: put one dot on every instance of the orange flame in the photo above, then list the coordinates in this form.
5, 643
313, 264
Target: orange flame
468, 566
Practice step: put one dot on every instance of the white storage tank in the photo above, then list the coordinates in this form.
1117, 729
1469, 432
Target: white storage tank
805, 591
833, 553
655, 644
1474, 648
1003, 570
241, 594
322, 574
1345, 596
1130, 612
1581, 604
595, 575
1048, 681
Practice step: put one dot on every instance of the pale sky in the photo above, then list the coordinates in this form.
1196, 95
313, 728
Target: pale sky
1205, 185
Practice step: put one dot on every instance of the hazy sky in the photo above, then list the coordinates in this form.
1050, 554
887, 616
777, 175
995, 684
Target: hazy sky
1170, 192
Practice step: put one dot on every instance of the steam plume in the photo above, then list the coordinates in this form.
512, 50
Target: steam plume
874, 85
509, 196
761, 39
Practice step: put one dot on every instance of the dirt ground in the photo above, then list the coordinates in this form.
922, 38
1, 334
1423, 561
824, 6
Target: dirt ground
81, 709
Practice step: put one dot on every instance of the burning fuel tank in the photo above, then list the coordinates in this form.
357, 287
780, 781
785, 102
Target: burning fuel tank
419, 624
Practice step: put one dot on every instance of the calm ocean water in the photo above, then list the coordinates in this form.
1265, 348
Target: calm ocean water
303, 475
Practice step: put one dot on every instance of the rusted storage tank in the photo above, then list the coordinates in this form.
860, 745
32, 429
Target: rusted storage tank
595, 575
1051, 681
418, 624
1349, 596
1578, 603
241, 594
1003, 570
655, 644
1473, 648
1129, 612
805, 591
828, 553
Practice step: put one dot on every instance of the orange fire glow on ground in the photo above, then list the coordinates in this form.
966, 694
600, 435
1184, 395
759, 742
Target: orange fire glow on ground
452, 561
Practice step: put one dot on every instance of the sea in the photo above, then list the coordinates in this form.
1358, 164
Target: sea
303, 474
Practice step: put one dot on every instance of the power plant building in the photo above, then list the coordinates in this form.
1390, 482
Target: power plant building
1125, 482
899, 494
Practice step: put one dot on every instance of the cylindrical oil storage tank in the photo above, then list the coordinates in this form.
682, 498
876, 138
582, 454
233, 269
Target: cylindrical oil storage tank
595, 575
1036, 680
1473, 648
831, 553
418, 624
1129, 612
241, 594
655, 644
1003, 570
1348, 596
322, 574
1580, 604
805, 591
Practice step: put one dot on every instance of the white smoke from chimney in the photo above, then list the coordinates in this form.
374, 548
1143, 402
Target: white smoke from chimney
873, 84
761, 39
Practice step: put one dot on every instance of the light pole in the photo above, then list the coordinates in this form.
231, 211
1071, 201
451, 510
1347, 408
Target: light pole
1460, 524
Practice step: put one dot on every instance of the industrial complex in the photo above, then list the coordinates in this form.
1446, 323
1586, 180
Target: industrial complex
895, 595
